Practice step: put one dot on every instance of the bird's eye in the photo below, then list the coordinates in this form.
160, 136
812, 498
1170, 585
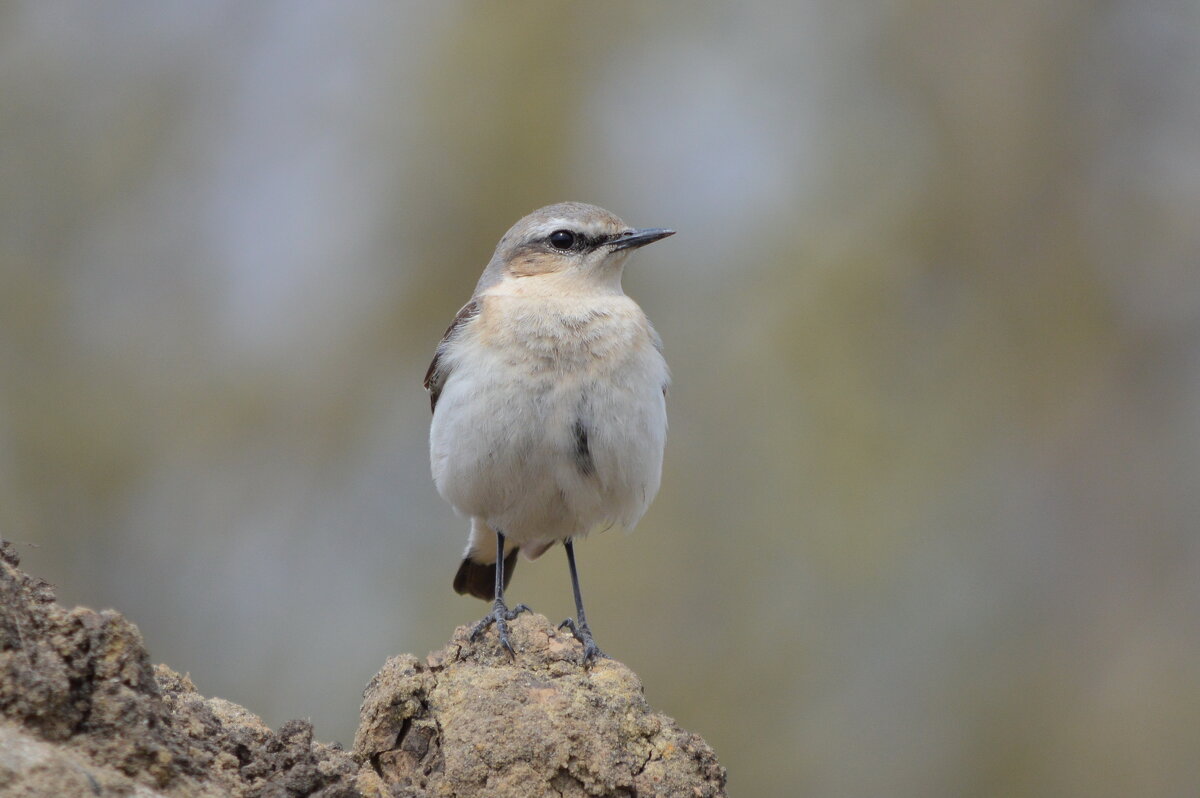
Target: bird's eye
562, 239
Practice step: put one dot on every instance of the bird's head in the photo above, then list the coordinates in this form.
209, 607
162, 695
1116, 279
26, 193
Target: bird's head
571, 239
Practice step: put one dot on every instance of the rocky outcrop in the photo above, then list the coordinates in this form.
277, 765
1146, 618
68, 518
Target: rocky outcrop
84, 713
471, 720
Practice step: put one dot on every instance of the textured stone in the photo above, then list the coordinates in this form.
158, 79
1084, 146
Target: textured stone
83, 712
471, 720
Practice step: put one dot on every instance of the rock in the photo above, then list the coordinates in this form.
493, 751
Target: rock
471, 720
83, 712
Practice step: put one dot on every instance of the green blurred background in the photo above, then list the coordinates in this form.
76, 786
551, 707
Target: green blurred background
929, 516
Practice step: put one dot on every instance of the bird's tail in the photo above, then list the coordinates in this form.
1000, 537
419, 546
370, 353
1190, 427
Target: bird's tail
477, 572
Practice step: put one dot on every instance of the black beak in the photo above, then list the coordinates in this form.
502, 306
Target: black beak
632, 239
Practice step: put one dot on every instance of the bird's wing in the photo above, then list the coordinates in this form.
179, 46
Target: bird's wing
435, 378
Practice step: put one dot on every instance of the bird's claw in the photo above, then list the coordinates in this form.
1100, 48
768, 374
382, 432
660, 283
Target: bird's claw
581, 632
500, 616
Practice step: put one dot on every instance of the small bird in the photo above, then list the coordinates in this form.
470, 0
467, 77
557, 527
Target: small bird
549, 402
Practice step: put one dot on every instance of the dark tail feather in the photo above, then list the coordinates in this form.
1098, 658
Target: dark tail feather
479, 579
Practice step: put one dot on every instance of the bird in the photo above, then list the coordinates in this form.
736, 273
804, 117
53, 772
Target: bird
548, 393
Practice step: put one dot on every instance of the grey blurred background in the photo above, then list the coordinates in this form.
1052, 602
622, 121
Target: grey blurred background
928, 523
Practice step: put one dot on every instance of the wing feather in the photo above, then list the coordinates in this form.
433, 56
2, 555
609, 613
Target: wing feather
435, 377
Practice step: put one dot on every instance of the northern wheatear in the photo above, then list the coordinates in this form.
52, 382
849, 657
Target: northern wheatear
549, 401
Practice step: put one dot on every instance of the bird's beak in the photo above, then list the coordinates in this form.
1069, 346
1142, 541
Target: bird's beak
632, 239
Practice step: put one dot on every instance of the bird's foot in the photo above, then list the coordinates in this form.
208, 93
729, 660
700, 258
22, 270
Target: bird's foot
591, 651
500, 616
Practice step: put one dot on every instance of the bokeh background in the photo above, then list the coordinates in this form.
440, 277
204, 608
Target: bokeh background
929, 517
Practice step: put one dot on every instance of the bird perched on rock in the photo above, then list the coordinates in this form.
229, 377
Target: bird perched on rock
549, 401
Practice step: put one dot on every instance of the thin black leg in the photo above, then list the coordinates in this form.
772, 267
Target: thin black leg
579, 626
500, 614
499, 566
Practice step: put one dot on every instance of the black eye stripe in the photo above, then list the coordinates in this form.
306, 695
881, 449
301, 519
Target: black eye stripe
579, 242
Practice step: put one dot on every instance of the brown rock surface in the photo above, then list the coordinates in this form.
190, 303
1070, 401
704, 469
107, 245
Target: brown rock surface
83, 713
473, 721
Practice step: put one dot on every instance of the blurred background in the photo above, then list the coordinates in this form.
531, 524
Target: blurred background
928, 523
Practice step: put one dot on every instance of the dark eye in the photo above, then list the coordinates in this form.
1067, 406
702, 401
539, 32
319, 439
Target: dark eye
562, 239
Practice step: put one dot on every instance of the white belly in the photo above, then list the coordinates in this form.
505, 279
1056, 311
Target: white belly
506, 446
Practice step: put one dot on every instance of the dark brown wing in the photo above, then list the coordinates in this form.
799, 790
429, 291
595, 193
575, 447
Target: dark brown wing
436, 376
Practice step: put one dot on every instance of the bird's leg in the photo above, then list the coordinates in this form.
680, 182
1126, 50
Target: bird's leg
579, 626
500, 614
